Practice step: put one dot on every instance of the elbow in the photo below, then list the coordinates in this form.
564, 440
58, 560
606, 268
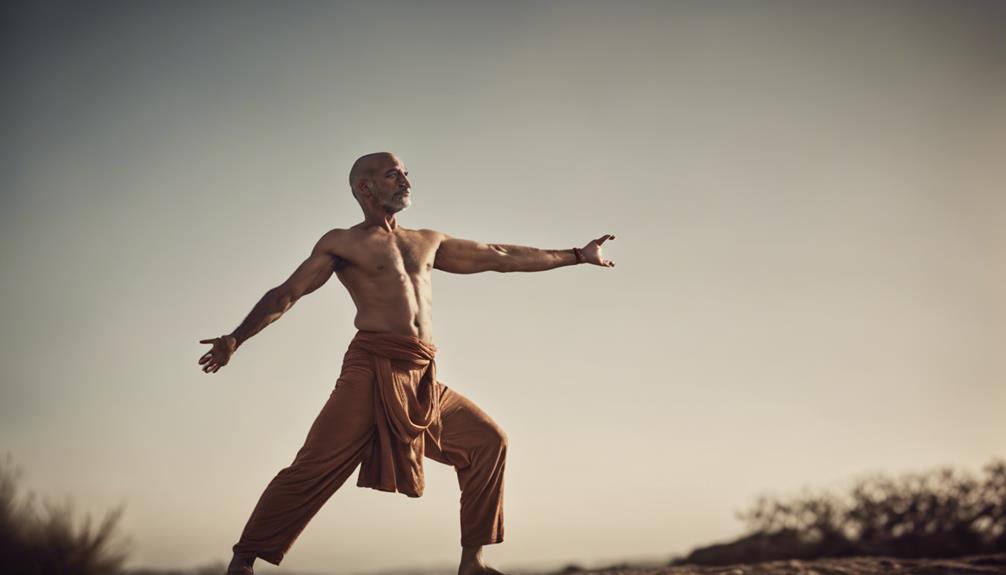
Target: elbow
501, 260
284, 298
503, 265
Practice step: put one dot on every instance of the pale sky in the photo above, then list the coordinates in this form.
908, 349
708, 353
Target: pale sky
808, 199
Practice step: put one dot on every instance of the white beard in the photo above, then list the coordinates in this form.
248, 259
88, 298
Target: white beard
397, 204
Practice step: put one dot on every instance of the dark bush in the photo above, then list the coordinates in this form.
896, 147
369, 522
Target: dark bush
33, 543
941, 513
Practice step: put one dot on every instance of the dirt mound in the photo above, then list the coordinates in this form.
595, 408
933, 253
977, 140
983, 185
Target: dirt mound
973, 565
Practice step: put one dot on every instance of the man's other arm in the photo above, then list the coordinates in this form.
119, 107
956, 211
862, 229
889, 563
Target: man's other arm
466, 256
310, 275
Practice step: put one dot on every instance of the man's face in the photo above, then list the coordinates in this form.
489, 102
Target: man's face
391, 188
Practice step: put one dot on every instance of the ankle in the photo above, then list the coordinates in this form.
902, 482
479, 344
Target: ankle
243, 559
469, 554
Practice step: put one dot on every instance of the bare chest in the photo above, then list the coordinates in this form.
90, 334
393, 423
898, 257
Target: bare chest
392, 255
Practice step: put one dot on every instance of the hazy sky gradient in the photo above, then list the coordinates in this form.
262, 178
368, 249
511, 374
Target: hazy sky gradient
808, 200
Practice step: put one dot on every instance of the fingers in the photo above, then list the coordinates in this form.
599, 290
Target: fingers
206, 356
213, 367
599, 241
209, 364
210, 361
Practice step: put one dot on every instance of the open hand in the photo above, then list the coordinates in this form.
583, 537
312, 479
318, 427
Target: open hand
223, 348
592, 252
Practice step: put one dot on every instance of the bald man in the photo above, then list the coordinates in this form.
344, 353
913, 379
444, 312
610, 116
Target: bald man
388, 410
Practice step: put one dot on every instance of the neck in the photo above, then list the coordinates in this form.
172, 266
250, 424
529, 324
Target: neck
380, 218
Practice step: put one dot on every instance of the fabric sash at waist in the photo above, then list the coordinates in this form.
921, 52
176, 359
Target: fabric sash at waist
406, 407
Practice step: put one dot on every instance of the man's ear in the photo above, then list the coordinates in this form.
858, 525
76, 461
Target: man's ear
365, 187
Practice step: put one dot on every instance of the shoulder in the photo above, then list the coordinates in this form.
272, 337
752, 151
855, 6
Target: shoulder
334, 241
425, 235
433, 235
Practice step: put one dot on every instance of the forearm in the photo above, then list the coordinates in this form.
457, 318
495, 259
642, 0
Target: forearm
527, 259
268, 309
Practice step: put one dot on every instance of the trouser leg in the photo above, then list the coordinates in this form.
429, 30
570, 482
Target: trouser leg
476, 446
334, 447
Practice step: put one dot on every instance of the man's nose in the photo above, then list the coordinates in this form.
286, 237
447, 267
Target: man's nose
404, 181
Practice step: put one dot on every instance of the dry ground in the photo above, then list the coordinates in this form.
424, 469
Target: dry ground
974, 565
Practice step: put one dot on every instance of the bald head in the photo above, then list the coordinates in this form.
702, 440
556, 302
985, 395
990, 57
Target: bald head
380, 183
363, 169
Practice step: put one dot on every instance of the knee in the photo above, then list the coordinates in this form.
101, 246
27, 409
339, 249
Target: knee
301, 466
498, 439
291, 471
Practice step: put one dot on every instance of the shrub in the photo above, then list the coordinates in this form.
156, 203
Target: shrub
940, 513
34, 543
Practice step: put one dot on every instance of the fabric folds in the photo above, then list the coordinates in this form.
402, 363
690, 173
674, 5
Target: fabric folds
407, 410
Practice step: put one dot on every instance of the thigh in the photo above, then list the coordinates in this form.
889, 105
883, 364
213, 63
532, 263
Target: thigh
347, 419
466, 428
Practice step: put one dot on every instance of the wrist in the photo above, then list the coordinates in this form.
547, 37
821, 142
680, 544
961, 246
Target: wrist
579, 255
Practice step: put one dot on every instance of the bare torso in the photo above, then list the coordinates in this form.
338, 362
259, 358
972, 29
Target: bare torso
388, 276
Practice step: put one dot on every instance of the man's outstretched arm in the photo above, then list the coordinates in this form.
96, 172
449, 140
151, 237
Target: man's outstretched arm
467, 257
310, 275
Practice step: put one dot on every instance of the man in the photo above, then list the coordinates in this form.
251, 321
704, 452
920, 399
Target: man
387, 410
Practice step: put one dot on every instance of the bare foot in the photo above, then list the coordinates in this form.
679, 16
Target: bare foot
477, 568
241, 565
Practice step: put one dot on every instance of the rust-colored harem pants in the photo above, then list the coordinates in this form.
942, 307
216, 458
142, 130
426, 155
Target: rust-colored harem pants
344, 434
